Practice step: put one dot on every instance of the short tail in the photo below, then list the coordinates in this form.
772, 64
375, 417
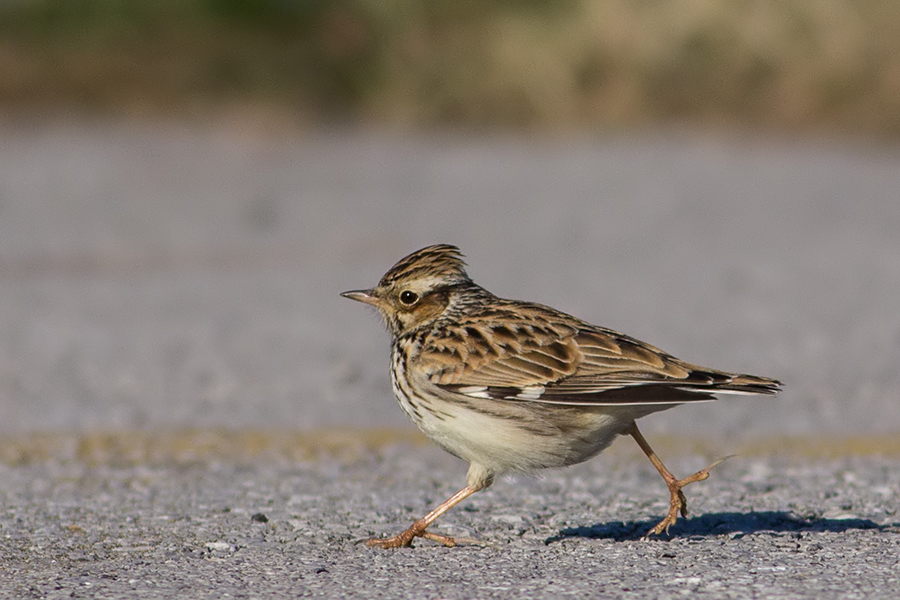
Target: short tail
748, 384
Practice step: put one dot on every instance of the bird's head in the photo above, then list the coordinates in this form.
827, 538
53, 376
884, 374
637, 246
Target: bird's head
418, 289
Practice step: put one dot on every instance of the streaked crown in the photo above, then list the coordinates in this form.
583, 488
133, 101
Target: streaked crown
441, 261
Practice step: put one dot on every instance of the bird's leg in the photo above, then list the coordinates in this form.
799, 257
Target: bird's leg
677, 503
418, 528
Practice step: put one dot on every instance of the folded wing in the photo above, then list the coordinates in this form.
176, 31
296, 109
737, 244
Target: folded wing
552, 358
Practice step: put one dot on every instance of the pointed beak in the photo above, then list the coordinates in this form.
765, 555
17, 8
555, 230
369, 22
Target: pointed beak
365, 296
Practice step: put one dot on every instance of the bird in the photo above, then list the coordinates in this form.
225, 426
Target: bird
515, 387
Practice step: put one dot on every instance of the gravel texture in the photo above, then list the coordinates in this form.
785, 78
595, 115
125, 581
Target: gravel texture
188, 409
761, 527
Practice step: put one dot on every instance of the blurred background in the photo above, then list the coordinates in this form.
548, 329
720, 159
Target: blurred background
584, 65
186, 186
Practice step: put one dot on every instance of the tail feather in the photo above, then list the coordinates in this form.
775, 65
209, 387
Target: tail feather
749, 384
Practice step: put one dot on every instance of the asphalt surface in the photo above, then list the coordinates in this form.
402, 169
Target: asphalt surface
175, 359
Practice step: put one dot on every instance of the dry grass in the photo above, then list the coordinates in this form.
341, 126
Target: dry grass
786, 64
185, 447
124, 448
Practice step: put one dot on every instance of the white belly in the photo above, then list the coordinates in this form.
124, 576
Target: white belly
502, 445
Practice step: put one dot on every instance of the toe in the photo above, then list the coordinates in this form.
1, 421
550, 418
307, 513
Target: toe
440, 539
398, 541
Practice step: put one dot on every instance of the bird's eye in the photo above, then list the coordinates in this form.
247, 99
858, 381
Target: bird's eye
408, 298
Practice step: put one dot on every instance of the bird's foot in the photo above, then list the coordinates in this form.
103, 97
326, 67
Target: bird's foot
677, 502
405, 539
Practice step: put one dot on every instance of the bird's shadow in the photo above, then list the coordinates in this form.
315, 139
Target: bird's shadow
722, 523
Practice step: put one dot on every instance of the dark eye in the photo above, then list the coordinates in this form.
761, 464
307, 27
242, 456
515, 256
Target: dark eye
408, 298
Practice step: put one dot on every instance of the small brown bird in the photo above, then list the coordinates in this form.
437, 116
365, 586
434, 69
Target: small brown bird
512, 386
